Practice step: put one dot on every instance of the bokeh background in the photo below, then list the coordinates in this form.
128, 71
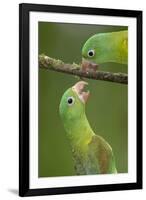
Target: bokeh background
106, 109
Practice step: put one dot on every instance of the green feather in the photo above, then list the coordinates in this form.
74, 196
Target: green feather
90, 152
107, 47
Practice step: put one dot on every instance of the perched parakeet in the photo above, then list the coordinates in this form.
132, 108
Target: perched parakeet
90, 152
103, 48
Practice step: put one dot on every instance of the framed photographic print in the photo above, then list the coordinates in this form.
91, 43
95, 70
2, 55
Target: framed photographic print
80, 99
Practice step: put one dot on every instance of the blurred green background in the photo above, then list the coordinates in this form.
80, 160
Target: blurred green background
106, 109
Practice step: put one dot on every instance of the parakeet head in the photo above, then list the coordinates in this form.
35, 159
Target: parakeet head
96, 49
105, 47
72, 105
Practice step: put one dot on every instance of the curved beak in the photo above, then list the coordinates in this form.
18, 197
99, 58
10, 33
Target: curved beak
89, 65
78, 88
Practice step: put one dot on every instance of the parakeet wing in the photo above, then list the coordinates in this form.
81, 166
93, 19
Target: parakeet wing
101, 155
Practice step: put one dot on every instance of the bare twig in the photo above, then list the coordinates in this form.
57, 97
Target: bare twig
46, 62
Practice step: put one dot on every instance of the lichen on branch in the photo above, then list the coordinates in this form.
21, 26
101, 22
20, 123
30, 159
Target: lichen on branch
46, 62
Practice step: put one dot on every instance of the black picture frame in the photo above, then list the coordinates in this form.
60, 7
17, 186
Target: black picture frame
24, 10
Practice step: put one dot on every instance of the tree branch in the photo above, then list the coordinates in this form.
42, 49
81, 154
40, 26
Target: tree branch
46, 62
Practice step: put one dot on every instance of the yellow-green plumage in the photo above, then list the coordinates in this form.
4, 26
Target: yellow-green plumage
90, 152
107, 47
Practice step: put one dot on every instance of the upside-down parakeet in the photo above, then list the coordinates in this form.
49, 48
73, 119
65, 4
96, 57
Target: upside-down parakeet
103, 48
90, 152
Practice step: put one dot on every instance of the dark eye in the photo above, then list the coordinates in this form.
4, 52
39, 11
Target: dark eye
70, 100
91, 53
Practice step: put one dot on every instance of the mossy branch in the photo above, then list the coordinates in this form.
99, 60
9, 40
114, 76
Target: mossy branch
46, 62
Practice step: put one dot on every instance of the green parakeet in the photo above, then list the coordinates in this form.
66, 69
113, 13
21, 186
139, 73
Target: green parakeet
105, 47
90, 152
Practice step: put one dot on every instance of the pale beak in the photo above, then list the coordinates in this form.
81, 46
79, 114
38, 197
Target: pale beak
89, 65
78, 89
